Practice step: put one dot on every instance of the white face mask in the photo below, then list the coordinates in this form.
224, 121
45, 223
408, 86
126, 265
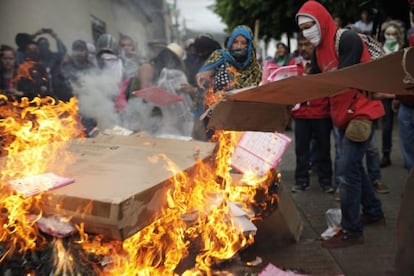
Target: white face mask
313, 35
390, 38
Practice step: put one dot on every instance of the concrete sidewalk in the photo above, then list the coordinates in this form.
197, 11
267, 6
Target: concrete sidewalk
374, 257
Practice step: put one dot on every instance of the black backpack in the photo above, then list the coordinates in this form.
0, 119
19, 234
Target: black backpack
374, 47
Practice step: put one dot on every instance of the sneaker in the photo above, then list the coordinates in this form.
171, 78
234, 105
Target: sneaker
380, 187
300, 187
367, 220
343, 239
328, 189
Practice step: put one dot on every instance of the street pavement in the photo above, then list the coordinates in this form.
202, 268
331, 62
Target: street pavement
374, 257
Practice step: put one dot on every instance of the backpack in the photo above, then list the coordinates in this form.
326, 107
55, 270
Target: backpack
374, 47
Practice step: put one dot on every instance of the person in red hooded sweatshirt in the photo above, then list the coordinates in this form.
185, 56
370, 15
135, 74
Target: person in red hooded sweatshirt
353, 114
312, 120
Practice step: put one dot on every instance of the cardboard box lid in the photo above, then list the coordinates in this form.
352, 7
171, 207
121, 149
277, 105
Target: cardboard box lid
261, 108
111, 169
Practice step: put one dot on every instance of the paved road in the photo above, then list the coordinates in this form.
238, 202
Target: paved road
374, 257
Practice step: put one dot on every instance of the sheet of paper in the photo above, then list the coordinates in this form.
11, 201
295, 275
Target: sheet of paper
36, 184
259, 151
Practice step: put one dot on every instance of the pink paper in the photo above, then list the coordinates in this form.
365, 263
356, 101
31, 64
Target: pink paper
283, 73
271, 270
268, 68
258, 152
157, 96
33, 185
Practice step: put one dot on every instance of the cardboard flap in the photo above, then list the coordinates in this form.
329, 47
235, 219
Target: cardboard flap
385, 75
239, 116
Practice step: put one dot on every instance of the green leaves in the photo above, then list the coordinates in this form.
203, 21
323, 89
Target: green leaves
278, 16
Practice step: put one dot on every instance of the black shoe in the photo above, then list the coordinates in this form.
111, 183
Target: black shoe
343, 239
385, 162
367, 220
328, 189
300, 187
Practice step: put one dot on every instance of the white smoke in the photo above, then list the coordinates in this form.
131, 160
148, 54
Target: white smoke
96, 95
98, 90
173, 119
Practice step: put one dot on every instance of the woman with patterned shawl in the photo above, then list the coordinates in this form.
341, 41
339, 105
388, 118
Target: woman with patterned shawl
231, 68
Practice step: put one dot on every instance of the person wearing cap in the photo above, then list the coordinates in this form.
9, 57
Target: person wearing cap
353, 113
78, 63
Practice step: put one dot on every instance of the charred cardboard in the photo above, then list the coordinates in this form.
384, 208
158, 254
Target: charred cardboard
385, 75
117, 190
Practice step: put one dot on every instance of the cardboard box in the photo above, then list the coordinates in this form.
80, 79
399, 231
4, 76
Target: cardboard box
261, 108
117, 189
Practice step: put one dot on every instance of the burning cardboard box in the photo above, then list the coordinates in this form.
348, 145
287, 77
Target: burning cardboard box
121, 182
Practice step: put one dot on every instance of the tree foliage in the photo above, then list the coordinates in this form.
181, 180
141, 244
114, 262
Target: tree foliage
278, 16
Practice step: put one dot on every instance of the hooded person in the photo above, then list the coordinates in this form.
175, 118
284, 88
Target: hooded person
352, 113
231, 68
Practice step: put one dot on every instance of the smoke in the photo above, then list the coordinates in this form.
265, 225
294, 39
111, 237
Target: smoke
96, 95
98, 90
174, 119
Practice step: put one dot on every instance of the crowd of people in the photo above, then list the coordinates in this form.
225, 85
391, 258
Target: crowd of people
203, 70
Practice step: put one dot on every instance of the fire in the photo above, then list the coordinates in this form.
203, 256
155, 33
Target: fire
34, 133
196, 228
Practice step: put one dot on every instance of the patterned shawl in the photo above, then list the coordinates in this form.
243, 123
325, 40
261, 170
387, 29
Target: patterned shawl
230, 74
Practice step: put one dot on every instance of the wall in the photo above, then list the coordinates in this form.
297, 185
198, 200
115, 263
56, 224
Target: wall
71, 20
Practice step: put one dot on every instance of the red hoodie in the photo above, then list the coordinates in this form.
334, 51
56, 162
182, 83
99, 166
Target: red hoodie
350, 104
313, 109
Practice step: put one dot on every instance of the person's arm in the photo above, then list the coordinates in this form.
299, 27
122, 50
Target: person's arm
61, 48
314, 65
146, 75
350, 49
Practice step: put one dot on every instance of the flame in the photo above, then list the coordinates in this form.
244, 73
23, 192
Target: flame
63, 261
195, 227
34, 133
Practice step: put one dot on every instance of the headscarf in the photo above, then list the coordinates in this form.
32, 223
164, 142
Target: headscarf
240, 75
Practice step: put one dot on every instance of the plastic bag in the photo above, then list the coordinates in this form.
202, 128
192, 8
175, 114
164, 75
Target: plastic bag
333, 220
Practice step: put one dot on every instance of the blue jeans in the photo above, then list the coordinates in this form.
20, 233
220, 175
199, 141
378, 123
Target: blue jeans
406, 130
372, 157
355, 188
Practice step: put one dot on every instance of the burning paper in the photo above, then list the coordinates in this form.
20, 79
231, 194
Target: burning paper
33, 185
258, 152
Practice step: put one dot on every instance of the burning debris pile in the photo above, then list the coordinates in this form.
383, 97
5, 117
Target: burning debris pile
195, 231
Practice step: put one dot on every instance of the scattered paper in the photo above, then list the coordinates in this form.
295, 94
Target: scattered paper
258, 152
33, 185
118, 130
56, 227
245, 225
271, 270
